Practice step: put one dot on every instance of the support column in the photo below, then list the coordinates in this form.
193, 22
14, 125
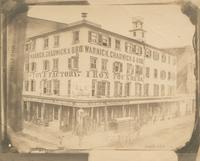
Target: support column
37, 111
112, 115
129, 111
92, 113
106, 117
43, 111
123, 111
138, 111
53, 106
97, 115
73, 121
28, 110
59, 116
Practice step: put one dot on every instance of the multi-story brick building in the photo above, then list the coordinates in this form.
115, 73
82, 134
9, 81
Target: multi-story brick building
105, 74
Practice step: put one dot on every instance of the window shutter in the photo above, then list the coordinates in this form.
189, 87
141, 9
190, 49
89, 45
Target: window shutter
109, 42
120, 89
114, 64
49, 86
100, 39
69, 63
108, 89
121, 66
34, 85
89, 36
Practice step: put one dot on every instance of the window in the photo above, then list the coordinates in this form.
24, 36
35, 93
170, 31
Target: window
26, 85
28, 46
33, 67
146, 89
130, 68
162, 90
93, 62
129, 48
138, 70
49, 87
104, 63
169, 59
108, 89
73, 62
155, 55
94, 82
46, 43
117, 67
46, 65
33, 85
106, 41
138, 50
147, 72
75, 36
127, 89
156, 90
100, 39
55, 64
174, 61
33, 45
138, 89
117, 44
155, 73
26, 67
169, 75
163, 75
56, 41
103, 88
69, 87
163, 58
134, 33
46, 86
117, 89
56, 87
93, 37
148, 53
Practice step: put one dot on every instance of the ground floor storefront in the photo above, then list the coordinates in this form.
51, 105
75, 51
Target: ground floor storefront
90, 118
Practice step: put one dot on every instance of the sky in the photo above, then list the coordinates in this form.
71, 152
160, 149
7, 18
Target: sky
165, 25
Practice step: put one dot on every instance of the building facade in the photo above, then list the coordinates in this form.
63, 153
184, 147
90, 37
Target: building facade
105, 74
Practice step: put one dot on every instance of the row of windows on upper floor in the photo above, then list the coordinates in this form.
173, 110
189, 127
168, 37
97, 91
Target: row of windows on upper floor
46, 86
131, 69
106, 41
102, 88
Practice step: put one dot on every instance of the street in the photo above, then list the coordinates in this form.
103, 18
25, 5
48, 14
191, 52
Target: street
159, 135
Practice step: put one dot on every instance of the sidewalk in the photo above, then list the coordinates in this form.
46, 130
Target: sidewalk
158, 133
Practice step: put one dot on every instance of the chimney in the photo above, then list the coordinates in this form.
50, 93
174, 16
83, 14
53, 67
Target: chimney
84, 15
138, 32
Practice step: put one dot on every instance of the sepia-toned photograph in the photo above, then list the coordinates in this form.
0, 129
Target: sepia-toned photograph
103, 75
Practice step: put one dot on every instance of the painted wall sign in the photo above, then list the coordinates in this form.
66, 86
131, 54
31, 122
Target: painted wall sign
52, 74
88, 49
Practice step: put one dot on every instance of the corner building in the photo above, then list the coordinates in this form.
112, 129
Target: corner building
105, 74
